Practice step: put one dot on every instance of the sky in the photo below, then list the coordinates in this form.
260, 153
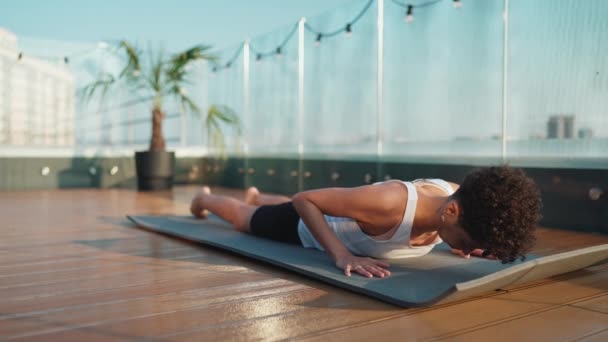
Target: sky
177, 24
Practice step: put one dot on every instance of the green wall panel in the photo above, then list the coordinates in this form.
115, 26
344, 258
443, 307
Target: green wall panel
566, 192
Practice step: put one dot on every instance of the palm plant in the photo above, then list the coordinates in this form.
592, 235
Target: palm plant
164, 78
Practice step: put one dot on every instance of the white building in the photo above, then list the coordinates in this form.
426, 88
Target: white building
36, 98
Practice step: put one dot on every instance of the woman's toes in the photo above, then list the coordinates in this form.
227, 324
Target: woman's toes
251, 196
197, 207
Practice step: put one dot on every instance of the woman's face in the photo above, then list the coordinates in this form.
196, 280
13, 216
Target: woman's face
458, 238
450, 230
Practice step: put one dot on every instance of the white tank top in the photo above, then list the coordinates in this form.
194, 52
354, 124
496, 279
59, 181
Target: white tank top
359, 243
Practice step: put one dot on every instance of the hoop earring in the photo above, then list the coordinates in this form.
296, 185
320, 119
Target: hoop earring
442, 219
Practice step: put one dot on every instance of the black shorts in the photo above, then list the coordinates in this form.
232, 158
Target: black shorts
276, 222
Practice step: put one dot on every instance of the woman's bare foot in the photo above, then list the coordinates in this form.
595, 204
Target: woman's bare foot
197, 207
252, 195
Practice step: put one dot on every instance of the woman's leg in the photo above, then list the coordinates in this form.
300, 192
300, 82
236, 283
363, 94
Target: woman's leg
254, 197
232, 210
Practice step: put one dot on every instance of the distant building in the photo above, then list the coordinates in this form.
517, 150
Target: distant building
36, 98
560, 127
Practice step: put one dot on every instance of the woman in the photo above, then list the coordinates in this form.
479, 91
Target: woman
493, 213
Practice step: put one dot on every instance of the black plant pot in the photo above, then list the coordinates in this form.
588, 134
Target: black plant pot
155, 170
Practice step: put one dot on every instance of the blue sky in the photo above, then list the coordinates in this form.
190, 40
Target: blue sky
178, 24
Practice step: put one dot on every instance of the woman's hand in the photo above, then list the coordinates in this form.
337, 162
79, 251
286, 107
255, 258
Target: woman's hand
366, 267
476, 252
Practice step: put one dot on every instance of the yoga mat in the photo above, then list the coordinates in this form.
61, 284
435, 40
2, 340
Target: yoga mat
438, 277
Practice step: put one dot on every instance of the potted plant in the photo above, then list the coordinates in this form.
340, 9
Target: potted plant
164, 78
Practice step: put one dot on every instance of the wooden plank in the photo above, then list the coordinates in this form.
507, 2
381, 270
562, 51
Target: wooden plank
81, 251
599, 304
51, 276
78, 271
551, 241
453, 318
565, 323
283, 306
167, 283
39, 243
221, 289
88, 334
209, 259
601, 336
130, 275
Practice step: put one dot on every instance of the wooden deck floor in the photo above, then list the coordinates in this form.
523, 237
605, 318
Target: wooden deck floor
73, 268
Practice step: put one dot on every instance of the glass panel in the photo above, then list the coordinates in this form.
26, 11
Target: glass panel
558, 81
273, 100
340, 83
37, 90
442, 90
225, 88
443, 82
193, 125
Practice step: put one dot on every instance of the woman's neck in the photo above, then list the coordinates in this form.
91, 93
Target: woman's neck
428, 216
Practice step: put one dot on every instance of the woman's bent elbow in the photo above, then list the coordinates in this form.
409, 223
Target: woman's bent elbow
297, 199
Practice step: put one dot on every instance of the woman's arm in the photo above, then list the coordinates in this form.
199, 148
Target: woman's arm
379, 204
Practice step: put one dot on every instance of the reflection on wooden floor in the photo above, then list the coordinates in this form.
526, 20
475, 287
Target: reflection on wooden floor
73, 268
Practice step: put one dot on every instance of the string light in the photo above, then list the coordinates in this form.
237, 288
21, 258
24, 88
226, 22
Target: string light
319, 35
65, 59
457, 4
346, 29
278, 52
409, 16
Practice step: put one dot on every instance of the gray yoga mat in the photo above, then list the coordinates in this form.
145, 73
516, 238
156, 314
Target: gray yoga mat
437, 277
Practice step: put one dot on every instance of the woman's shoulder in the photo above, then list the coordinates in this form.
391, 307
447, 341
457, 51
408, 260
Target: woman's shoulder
392, 190
454, 186
439, 182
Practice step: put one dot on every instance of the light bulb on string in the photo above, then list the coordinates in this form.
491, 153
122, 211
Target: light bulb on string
66, 60
258, 57
457, 4
214, 69
318, 40
136, 73
20, 56
228, 65
409, 16
279, 53
348, 30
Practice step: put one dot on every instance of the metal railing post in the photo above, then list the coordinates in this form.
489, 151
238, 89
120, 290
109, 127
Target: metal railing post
301, 23
246, 109
379, 90
505, 77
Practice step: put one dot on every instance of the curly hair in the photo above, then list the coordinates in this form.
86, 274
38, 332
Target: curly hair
500, 207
